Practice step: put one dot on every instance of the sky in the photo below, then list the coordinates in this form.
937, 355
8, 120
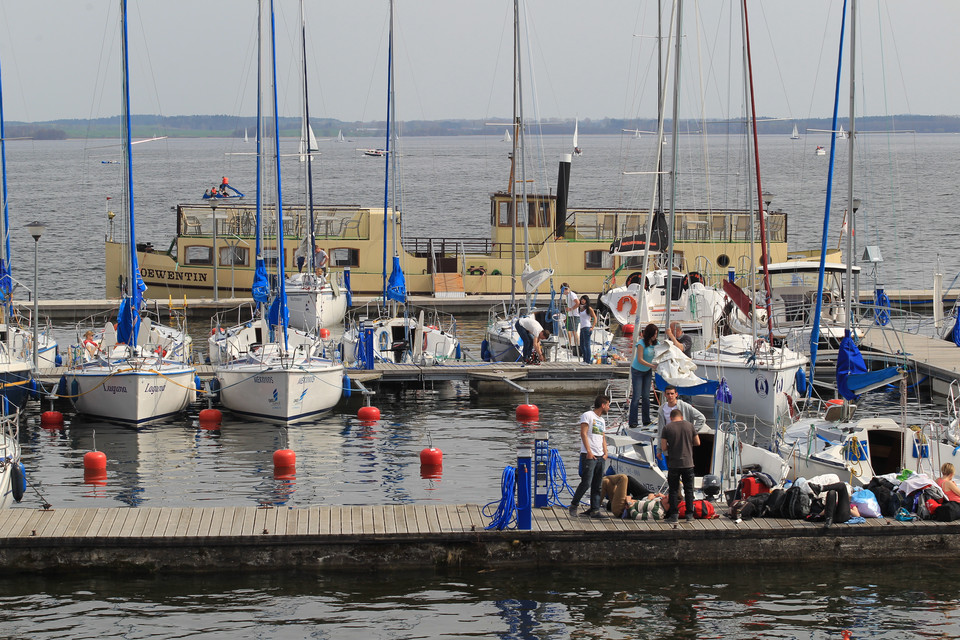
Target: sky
590, 59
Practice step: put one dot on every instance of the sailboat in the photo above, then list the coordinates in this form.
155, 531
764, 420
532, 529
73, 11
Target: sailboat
140, 371
391, 335
245, 137
269, 371
340, 137
761, 377
503, 342
841, 134
315, 297
12, 478
308, 141
796, 134
506, 136
577, 151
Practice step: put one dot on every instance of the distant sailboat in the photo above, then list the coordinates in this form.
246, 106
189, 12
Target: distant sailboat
841, 134
340, 136
245, 137
796, 134
506, 136
577, 151
308, 141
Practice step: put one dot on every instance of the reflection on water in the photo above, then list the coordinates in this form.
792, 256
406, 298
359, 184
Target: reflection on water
697, 602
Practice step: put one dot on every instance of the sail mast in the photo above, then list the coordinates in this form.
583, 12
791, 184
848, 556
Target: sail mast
311, 234
282, 289
851, 211
673, 162
386, 173
5, 277
134, 288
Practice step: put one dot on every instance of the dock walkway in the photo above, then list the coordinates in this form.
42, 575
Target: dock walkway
401, 537
938, 359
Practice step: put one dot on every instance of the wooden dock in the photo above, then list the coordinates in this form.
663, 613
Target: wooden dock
938, 359
418, 536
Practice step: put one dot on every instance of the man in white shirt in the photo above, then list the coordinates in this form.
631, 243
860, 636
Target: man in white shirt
593, 457
531, 333
572, 303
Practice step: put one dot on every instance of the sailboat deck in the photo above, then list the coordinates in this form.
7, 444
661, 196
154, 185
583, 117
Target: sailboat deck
385, 537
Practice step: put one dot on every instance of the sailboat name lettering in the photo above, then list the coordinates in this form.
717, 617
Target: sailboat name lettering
306, 379
166, 274
157, 388
112, 388
266, 379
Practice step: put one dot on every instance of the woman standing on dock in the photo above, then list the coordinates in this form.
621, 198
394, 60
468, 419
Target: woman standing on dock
641, 374
588, 318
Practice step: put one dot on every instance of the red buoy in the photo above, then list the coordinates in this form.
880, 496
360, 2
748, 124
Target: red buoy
368, 414
95, 461
51, 419
527, 412
210, 418
324, 333
284, 458
627, 329
431, 456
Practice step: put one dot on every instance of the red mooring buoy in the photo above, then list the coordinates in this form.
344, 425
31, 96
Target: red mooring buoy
627, 329
324, 333
51, 419
431, 456
210, 418
526, 412
368, 414
95, 461
284, 459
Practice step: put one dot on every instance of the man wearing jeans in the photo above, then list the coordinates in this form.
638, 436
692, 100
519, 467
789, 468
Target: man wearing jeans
677, 441
593, 456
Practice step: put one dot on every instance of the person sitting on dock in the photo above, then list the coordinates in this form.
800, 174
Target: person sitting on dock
531, 333
836, 503
593, 457
616, 488
950, 489
677, 442
671, 402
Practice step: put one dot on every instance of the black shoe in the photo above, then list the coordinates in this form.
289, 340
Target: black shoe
599, 515
572, 510
588, 513
814, 487
689, 517
672, 520
827, 522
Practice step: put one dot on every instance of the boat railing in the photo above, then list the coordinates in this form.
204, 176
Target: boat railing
867, 316
696, 225
350, 222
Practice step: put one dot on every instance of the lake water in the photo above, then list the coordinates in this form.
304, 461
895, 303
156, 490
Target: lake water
343, 462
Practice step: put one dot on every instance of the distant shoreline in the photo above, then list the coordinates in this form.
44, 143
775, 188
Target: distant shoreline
219, 126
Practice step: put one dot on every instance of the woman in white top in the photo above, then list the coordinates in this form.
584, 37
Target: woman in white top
588, 318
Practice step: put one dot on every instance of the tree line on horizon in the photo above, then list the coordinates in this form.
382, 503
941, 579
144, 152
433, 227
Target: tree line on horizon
223, 126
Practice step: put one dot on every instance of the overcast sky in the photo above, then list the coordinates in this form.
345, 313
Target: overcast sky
590, 58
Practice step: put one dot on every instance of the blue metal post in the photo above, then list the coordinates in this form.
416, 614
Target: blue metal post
524, 504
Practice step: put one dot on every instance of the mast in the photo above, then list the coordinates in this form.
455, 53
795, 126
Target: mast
513, 157
851, 228
673, 163
764, 257
5, 281
134, 289
386, 174
311, 235
282, 292
815, 331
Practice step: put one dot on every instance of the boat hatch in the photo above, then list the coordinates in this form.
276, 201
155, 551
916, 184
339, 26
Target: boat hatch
886, 451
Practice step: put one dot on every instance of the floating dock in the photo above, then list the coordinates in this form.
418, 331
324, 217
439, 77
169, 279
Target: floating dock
932, 357
418, 536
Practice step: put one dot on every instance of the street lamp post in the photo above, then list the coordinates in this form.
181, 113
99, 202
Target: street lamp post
36, 230
216, 291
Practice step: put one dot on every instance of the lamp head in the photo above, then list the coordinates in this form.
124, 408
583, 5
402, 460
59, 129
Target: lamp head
36, 229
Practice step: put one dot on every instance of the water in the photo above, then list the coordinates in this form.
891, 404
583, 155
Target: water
343, 462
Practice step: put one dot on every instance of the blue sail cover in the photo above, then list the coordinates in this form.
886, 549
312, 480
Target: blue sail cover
128, 322
261, 284
6, 282
397, 285
276, 308
706, 389
853, 377
955, 334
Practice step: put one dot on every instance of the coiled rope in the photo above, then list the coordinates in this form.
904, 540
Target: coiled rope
505, 516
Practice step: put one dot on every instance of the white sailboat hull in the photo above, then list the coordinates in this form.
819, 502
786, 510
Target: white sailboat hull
394, 340
281, 392
314, 304
132, 391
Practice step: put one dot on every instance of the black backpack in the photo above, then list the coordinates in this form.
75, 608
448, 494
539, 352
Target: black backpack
947, 512
771, 509
896, 501
796, 503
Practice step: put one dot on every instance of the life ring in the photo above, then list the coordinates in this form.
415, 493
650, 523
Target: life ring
633, 304
423, 347
384, 340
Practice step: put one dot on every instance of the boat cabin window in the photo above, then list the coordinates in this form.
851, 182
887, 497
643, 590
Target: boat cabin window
238, 256
270, 258
600, 259
538, 213
198, 254
345, 257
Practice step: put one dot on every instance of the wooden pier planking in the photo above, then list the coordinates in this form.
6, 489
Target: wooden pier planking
354, 536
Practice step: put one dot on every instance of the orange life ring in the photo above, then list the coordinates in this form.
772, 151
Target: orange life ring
633, 304
793, 408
